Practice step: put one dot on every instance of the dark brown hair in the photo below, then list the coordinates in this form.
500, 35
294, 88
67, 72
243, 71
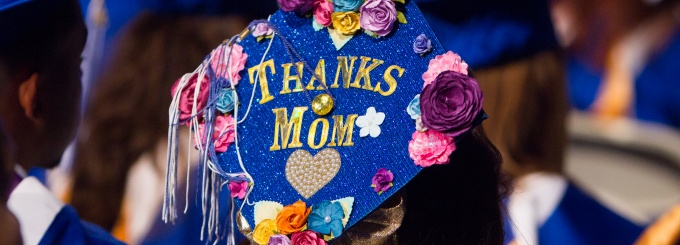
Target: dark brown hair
460, 202
527, 105
6, 164
128, 110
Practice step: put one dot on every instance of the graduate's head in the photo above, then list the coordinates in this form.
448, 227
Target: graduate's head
40, 46
351, 108
6, 164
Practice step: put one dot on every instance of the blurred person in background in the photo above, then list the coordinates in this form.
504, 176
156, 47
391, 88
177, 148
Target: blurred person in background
40, 57
125, 124
10, 226
512, 49
622, 57
623, 63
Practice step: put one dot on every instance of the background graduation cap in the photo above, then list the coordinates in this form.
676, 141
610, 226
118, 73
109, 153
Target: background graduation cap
326, 98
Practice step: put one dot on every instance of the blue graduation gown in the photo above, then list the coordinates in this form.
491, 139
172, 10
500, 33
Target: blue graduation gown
579, 219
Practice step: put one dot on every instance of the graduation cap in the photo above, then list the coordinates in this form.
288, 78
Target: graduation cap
316, 116
23, 23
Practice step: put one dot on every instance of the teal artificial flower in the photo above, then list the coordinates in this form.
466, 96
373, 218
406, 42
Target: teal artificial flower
326, 217
225, 103
413, 108
347, 5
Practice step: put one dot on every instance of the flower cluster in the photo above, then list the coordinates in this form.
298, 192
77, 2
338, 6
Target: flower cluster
375, 17
446, 108
226, 63
298, 224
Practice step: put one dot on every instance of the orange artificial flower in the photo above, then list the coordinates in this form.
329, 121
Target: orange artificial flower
292, 218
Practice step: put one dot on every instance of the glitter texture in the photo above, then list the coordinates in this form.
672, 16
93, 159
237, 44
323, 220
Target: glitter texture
359, 162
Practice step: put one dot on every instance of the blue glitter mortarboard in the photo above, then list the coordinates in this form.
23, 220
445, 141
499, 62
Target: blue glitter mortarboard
287, 146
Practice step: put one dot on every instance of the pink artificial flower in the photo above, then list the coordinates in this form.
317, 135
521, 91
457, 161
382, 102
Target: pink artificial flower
322, 12
262, 29
307, 237
237, 62
382, 180
223, 134
238, 188
449, 61
430, 147
186, 99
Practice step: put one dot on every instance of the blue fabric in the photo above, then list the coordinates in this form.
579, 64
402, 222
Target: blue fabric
67, 228
187, 227
657, 87
7, 4
489, 32
359, 162
583, 84
40, 174
580, 219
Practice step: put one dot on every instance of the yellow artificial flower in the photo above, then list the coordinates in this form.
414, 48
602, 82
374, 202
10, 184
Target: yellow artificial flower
263, 231
346, 23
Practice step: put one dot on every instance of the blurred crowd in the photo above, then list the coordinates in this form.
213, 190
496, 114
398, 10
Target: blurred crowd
583, 98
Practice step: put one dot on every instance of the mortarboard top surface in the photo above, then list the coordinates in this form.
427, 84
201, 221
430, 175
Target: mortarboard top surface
360, 161
288, 151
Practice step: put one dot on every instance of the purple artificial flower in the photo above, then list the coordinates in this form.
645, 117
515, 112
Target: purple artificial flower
279, 239
378, 16
382, 180
451, 103
298, 6
422, 44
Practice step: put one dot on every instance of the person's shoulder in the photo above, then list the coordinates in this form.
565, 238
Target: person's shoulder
45, 219
10, 227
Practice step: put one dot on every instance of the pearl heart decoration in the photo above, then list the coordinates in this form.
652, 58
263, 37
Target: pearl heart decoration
308, 174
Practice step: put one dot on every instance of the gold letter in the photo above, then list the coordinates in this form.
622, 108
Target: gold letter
287, 77
364, 73
346, 71
321, 73
344, 130
262, 77
312, 133
389, 79
282, 122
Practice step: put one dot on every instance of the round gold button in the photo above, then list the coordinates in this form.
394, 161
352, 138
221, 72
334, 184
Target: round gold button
322, 104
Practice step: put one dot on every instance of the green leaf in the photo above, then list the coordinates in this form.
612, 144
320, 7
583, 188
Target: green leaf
372, 34
400, 1
266, 210
346, 204
338, 39
316, 25
401, 18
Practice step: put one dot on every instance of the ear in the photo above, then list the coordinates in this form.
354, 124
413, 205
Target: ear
27, 95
